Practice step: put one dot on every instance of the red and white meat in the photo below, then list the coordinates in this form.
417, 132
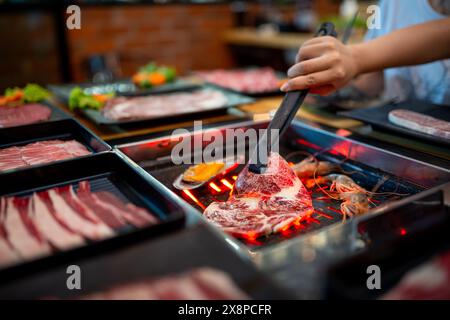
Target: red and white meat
262, 204
40, 152
247, 81
420, 122
199, 284
60, 219
24, 114
123, 108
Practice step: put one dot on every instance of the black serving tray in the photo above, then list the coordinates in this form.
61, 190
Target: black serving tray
67, 129
378, 117
197, 246
121, 88
234, 99
107, 171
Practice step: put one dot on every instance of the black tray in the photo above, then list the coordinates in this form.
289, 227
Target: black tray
63, 129
121, 88
107, 172
378, 117
191, 248
234, 99
57, 114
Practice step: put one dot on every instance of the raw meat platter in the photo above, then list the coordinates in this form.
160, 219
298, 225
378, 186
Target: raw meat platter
49, 211
166, 106
53, 141
254, 82
378, 117
31, 113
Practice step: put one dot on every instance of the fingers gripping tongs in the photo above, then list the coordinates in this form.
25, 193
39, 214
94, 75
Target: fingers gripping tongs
283, 117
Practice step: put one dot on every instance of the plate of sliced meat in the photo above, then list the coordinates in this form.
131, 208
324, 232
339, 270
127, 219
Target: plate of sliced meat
414, 118
44, 143
254, 82
72, 205
28, 113
124, 110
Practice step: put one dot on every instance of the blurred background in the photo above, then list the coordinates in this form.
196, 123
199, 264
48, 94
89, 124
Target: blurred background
117, 37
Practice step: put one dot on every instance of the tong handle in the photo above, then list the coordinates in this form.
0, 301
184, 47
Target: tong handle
287, 111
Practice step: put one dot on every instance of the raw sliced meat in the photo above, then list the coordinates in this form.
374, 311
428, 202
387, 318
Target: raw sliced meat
136, 216
76, 223
40, 152
56, 234
123, 108
248, 81
7, 253
420, 122
72, 200
112, 219
198, 284
24, 114
262, 203
26, 243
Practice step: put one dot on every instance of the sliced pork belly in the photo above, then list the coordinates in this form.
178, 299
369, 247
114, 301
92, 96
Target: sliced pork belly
54, 232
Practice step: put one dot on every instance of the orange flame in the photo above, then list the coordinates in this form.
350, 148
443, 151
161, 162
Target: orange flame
193, 198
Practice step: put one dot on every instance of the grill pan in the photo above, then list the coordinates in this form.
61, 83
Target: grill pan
366, 164
106, 172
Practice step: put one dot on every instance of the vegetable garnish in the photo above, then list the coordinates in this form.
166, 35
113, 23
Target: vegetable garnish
152, 75
29, 94
81, 100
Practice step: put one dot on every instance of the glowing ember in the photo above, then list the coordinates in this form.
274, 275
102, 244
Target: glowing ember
226, 183
193, 198
215, 187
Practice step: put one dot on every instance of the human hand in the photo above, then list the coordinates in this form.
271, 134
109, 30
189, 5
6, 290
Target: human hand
323, 65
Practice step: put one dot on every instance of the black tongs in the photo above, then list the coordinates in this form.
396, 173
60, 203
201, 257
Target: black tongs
284, 115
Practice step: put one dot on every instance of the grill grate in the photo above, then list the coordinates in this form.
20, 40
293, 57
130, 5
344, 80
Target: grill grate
327, 210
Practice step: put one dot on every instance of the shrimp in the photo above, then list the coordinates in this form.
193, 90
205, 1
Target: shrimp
354, 204
355, 200
342, 183
310, 166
